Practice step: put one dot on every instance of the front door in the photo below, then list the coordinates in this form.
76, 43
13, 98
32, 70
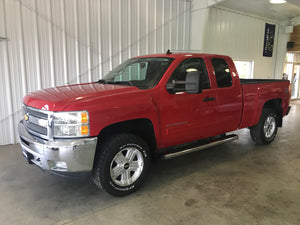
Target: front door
187, 117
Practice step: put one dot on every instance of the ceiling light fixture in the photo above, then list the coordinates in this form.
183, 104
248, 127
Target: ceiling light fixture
277, 1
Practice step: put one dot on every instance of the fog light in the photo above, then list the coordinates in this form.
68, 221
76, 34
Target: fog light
58, 165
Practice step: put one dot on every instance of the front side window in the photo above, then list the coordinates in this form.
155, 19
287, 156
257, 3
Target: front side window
143, 73
222, 73
190, 65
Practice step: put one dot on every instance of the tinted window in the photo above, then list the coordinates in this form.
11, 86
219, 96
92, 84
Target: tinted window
189, 65
222, 73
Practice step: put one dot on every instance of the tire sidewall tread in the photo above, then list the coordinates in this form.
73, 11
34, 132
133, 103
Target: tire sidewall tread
113, 145
257, 132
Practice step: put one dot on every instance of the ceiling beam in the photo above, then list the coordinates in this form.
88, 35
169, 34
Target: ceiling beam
213, 2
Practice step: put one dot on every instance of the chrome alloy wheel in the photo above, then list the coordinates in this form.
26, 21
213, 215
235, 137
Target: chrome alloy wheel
269, 126
127, 166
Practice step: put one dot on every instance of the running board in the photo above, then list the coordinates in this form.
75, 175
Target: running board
222, 140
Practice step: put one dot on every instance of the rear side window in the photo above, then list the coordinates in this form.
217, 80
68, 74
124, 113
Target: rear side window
222, 73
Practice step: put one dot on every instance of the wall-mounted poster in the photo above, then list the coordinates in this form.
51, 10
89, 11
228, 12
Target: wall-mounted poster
269, 40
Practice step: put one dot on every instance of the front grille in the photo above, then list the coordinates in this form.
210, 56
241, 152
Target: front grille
37, 114
37, 128
37, 121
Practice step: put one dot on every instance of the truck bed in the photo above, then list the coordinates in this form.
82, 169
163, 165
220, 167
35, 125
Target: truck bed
256, 92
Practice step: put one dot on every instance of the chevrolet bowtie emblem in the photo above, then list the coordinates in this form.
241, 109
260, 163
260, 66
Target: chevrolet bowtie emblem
26, 117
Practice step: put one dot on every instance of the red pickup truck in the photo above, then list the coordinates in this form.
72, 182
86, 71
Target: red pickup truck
156, 105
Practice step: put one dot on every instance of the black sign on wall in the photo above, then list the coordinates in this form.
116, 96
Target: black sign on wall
269, 40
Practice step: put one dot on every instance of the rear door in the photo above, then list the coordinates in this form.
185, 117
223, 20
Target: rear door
228, 92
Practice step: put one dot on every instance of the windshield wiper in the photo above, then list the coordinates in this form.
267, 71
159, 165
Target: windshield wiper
128, 83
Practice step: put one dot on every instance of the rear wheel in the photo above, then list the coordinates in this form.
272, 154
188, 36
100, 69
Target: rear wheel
266, 129
122, 165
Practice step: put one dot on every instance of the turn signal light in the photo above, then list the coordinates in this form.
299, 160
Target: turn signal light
84, 117
84, 130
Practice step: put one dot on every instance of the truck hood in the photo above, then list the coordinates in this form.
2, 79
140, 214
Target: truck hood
58, 98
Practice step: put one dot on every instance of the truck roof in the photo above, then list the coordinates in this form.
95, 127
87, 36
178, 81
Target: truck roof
182, 54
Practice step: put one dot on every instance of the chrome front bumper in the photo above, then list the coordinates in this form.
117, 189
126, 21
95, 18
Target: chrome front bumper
61, 156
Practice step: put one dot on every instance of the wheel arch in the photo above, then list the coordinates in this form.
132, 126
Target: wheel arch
140, 127
275, 104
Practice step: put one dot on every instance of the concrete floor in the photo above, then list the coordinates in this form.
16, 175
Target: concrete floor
236, 183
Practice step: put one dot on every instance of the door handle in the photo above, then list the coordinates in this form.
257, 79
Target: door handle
208, 99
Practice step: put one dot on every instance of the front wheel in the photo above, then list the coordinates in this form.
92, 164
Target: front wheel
266, 129
122, 165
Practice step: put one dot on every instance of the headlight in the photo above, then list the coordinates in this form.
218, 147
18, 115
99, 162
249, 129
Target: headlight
71, 124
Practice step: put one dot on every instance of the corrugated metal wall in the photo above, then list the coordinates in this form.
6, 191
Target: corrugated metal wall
57, 42
242, 37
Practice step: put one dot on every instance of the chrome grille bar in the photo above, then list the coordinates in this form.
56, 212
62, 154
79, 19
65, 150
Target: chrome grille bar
36, 122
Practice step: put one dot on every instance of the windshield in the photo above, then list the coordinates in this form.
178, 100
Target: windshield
143, 73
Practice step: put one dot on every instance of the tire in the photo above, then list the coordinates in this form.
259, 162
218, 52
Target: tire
266, 129
122, 165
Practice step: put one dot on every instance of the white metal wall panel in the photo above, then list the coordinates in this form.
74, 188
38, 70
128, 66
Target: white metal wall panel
72, 39
59, 47
58, 42
30, 45
95, 39
45, 43
240, 36
16, 77
84, 59
6, 116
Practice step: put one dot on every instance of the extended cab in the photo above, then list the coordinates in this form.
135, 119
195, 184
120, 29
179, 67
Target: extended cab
157, 105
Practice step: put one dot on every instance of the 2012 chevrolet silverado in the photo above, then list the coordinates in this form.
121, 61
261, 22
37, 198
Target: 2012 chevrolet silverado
156, 105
